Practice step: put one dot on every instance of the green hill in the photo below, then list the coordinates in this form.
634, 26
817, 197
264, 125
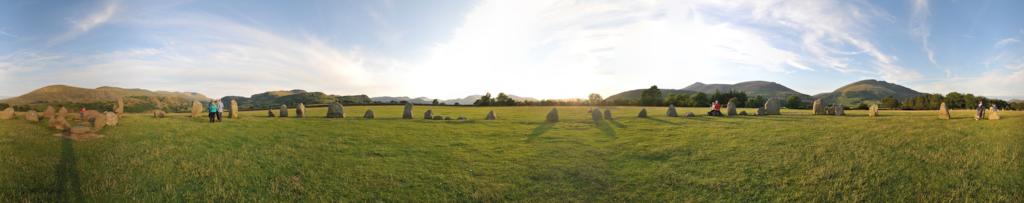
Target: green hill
634, 95
104, 98
867, 91
292, 98
752, 88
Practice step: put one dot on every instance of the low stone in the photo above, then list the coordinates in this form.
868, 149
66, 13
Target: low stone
32, 116
233, 105
7, 114
607, 114
730, 108
112, 118
96, 119
282, 111
595, 114
873, 110
368, 114
943, 111
690, 114
300, 110
818, 108
761, 111
491, 116
839, 110
993, 113
552, 115
49, 113
270, 113
743, 113
336, 110
643, 113
462, 118
447, 118
158, 114
59, 123
429, 114
672, 111
407, 111
437, 117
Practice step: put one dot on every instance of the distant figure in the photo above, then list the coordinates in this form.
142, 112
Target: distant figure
716, 109
213, 111
81, 113
220, 109
981, 111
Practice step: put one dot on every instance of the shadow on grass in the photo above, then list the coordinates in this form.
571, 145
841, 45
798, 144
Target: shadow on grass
540, 130
606, 128
68, 185
617, 124
659, 120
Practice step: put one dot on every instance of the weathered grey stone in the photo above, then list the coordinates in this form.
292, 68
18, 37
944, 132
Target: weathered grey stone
772, 107
300, 110
839, 110
112, 118
196, 109
672, 111
49, 113
429, 114
447, 118
159, 113
7, 114
552, 115
119, 109
761, 111
993, 113
270, 113
368, 114
336, 110
873, 110
282, 111
407, 111
32, 116
730, 109
818, 108
690, 114
743, 113
607, 114
595, 114
234, 109
943, 111
438, 117
643, 113
462, 118
491, 116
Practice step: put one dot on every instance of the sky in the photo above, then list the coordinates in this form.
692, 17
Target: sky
534, 48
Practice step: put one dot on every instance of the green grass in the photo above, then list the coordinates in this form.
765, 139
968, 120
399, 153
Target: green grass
902, 155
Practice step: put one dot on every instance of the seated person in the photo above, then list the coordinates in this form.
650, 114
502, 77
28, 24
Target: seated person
716, 109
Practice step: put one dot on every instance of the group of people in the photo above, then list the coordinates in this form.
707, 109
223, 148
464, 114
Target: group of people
716, 109
981, 110
215, 108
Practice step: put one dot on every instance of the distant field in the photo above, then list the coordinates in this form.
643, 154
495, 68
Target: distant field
902, 155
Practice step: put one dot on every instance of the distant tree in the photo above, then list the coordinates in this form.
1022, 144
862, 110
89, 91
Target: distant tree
595, 99
651, 97
484, 100
955, 100
890, 102
677, 100
970, 101
504, 100
717, 96
435, 102
757, 101
699, 100
794, 102
456, 103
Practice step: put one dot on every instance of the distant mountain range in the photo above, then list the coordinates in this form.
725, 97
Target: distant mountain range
867, 91
104, 97
852, 94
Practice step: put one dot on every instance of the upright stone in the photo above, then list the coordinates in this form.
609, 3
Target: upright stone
873, 110
335, 110
407, 112
368, 114
283, 111
119, 109
839, 110
32, 116
59, 123
595, 114
491, 116
429, 114
158, 113
607, 114
818, 108
672, 111
112, 118
761, 111
731, 108
772, 107
300, 110
993, 113
643, 113
7, 114
63, 112
943, 111
49, 113
234, 109
552, 115
196, 109
270, 113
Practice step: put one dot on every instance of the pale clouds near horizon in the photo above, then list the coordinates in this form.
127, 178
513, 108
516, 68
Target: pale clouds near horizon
543, 49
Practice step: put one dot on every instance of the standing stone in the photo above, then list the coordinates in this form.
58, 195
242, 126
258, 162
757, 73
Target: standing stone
270, 113
672, 111
839, 110
158, 113
772, 106
283, 112
761, 111
7, 114
595, 114
49, 113
429, 114
119, 109
196, 109
552, 115
818, 108
32, 116
690, 114
491, 116
943, 111
300, 110
407, 112
59, 123
234, 109
607, 114
873, 110
438, 117
993, 113
731, 108
335, 110
368, 114
112, 118
643, 113
63, 112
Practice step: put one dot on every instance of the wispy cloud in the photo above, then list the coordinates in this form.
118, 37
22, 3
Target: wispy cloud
87, 23
1006, 42
919, 26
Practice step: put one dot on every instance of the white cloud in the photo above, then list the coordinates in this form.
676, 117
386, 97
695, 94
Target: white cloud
1006, 42
920, 27
84, 25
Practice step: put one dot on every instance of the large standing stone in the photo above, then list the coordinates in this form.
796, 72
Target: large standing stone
839, 110
818, 108
119, 109
731, 108
595, 114
270, 113
553, 115
607, 114
32, 116
672, 111
49, 113
282, 111
335, 110
643, 113
300, 110
429, 114
196, 109
943, 111
234, 109
7, 114
368, 114
993, 113
491, 116
63, 112
873, 110
407, 112
97, 119
772, 106
159, 113
112, 118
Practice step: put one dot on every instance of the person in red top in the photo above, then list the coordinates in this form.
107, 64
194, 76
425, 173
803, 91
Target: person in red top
716, 109
82, 113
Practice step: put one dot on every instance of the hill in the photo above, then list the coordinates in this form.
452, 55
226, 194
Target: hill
867, 91
752, 88
291, 98
634, 95
468, 100
136, 100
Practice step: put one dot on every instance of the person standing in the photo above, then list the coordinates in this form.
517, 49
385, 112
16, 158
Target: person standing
981, 111
81, 113
220, 109
213, 111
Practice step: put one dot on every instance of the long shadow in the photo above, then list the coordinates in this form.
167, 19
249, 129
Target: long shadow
606, 128
659, 120
68, 185
617, 124
540, 130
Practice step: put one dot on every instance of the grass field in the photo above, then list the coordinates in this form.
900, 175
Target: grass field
902, 155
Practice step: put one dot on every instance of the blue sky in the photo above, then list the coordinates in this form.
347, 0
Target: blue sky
543, 49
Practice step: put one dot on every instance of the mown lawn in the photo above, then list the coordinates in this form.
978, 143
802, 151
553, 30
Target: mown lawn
902, 155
